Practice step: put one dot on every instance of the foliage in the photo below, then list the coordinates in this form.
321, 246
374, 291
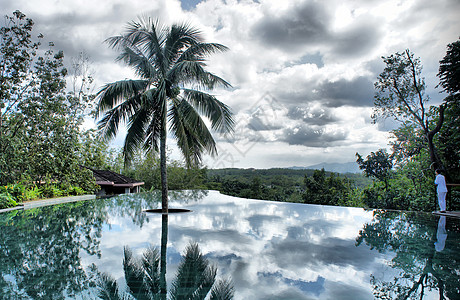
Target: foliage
39, 120
377, 165
286, 185
417, 267
408, 143
6, 200
332, 190
449, 139
449, 69
146, 168
41, 250
13, 194
94, 152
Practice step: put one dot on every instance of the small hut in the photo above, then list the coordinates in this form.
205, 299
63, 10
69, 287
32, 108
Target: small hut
114, 183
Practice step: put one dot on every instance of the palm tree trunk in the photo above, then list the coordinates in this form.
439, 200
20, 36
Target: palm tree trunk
164, 181
164, 243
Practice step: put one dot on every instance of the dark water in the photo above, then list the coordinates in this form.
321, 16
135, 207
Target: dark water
265, 250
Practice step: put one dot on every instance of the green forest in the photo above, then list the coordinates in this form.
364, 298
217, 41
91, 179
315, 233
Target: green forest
45, 152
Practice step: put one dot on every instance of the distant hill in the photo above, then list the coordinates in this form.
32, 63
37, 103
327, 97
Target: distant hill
350, 167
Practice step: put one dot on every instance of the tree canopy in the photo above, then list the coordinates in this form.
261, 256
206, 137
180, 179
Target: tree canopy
39, 120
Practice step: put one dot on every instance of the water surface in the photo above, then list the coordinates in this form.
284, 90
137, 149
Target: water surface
268, 250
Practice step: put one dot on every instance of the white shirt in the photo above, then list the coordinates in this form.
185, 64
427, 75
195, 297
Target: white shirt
440, 181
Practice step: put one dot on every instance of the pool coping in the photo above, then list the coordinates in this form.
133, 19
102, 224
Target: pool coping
47, 202
453, 214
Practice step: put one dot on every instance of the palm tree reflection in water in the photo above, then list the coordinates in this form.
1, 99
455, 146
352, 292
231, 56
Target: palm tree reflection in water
146, 276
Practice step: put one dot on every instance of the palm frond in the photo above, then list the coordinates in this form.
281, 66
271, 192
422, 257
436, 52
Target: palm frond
222, 290
155, 98
217, 112
193, 73
108, 125
114, 93
194, 277
180, 37
199, 51
133, 273
141, 64
150, 265
135, 135
193, 136
155, 37
107, 288
145, 38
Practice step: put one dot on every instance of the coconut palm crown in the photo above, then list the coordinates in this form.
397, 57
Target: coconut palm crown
170, 93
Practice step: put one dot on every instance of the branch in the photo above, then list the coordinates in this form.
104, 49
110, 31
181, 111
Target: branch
403, 100
414, 81
19, 97
435, 130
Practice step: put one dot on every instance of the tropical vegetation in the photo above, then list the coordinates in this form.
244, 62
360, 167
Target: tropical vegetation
40, 135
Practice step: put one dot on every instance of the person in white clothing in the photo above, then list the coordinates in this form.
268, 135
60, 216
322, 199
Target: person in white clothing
441, 188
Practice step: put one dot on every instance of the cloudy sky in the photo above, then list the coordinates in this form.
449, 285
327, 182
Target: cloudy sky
302, 71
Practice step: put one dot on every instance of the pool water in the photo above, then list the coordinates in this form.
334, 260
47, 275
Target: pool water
263, 249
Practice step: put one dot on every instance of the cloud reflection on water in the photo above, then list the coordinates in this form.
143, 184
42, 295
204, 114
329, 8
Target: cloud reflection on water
269, 249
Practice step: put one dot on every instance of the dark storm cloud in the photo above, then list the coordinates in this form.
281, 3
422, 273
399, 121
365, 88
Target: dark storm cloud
67, 34
303, 24
308, 24
357, 92
311, 136
356, 41
311, 116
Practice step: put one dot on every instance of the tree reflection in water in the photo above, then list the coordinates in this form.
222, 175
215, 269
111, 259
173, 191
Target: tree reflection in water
420, 263
39, 250
146, 276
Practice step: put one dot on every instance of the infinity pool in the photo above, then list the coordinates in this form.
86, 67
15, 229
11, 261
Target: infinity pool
265, 250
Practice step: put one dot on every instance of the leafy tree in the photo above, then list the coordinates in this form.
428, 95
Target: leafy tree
449, 140
400, 95
94, 152
408, 143
321, 189
377, 165
449, 69
39, 120
167, 60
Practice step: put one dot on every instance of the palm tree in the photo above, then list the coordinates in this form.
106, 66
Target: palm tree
195, 278
170, 64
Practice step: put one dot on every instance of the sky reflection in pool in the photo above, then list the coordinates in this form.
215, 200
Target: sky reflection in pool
270, 250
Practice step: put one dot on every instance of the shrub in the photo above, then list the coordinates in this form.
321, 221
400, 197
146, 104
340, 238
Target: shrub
6, 200
50, 191
75, 191
32, 193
